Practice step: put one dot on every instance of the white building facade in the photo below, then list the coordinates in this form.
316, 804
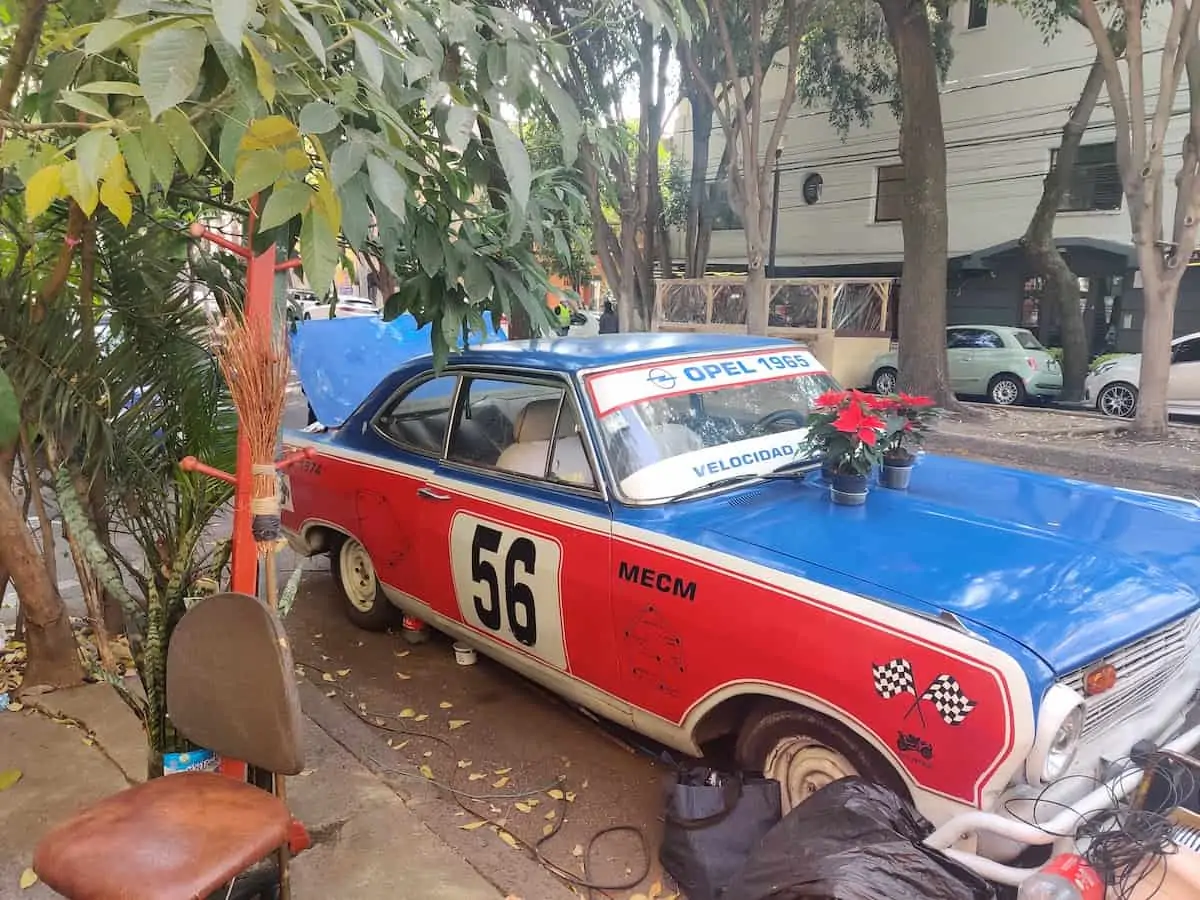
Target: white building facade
1004, 103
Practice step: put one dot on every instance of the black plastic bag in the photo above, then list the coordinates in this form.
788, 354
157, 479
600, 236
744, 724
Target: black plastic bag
713, 821
853, 840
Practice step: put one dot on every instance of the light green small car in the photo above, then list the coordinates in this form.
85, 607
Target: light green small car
1005, 364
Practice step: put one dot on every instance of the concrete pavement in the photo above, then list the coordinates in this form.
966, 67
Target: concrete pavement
80, 745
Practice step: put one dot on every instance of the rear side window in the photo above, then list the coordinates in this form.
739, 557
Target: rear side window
494, 415
1027, 340
417, 420
1186, 352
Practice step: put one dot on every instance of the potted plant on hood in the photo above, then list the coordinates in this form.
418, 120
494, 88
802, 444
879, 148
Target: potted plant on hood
908, 419
843, 427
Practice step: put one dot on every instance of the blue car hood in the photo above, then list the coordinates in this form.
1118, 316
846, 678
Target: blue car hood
1069, 569
340, 361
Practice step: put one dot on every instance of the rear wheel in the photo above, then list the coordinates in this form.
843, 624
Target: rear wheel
805, 751
365, 606
1006, 390
884, 381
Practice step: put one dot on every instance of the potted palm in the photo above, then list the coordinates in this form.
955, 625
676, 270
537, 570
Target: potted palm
908, 418
845, 430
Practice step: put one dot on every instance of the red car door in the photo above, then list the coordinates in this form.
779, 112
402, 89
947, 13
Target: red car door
517, 532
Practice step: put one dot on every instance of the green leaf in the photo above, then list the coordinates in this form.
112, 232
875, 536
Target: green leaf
169, 66
356, 214
136, 162
59, 73
125, 88
476, 279
13, 150
460, 120
286, 201
232, 16
302, 25
159, 153
106, 33
319, 117
93, 152
231, 138
369, 53
346, 160
570, 126
515, 161
388, 187
318, 251
84, 104
184, 141
428, 245
256, 170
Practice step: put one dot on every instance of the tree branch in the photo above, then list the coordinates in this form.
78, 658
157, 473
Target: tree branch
1130, 179
23, 47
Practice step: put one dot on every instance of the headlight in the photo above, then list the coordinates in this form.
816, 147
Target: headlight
1060, 726
1104, 367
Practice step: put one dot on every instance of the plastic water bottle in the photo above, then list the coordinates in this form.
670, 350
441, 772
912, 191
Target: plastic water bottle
1066, 877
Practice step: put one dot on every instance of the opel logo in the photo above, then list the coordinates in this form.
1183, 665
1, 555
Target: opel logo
661, 379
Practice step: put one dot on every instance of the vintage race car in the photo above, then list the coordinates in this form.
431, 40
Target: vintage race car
630, 521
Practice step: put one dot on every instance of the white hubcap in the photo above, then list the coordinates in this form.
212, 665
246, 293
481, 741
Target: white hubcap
1117, 400
358, 576
803, 766
1004, 393
885, 383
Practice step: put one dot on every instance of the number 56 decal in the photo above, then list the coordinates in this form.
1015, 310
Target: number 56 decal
506, 583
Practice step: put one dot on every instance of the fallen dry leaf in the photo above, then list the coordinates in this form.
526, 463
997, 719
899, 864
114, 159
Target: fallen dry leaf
500, 782
8, 778
378, 721
547, 830
402, 653
407, 713
16, 707
471, 826
403, 676
570, 796
421, 718
655, 891
342, 673
464, 764
318, 635
427, 772
427, 754
577, 850
445, 705
455, 724
88, 742
476, 776
331, 693
509, 839
325, 676
533, 801
524, 807
503, 771
550, 815
583, 786
556, 794
28, 879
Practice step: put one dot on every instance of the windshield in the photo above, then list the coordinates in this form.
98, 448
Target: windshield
1027, 340
672, 426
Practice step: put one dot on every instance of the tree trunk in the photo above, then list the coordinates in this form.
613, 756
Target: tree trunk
697, 236
922, 314
1158, 328
50, 643
1062, 286
757, 292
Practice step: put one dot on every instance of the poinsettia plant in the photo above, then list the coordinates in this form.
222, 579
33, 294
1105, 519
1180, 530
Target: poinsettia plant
846, 428
908, 418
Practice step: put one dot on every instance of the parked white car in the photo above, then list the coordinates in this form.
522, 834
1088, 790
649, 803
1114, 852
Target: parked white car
347, 305
584, 323
1113, 386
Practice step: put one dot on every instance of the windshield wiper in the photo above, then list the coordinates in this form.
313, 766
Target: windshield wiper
788, 470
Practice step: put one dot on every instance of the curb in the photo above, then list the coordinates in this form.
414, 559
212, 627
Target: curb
1174, 477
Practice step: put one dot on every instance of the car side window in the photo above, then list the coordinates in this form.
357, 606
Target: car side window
1187, 352
417, 419
496, 415
989, 340
956, 339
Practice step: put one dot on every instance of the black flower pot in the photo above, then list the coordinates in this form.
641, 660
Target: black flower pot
848, 490
896, 472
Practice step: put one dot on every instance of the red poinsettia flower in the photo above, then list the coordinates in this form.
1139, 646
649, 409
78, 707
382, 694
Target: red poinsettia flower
831, 398
915, 400
855, 420
878, 403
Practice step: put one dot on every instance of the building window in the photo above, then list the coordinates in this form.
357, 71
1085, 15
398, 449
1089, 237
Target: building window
724, 216
977, 12
889, 193
1095, 182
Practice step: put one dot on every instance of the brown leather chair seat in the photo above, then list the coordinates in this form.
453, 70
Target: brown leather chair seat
180, 836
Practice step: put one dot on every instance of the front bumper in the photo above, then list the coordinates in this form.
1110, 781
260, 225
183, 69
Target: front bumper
1050, 820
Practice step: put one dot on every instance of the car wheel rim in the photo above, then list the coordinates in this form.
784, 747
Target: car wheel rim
1117, 400
1004, 392
885, 383
803, 766
358, 576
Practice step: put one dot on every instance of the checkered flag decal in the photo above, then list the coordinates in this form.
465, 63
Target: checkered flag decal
948, 699
894, 678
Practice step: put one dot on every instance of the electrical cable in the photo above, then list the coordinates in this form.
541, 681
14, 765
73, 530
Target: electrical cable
532, 848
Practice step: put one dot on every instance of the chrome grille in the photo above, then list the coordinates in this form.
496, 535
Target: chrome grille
1144, 668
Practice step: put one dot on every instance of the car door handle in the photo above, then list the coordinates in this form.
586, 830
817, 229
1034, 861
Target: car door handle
430, 494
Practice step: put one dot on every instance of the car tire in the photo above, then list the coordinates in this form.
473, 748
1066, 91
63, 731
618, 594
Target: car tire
365, 603
804, 751
1118, 400
1006, 390
884, 380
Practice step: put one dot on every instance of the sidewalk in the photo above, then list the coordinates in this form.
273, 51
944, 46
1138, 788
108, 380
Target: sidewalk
1074, 444
84, 744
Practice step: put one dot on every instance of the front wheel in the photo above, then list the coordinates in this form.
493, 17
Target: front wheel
805, 751
365, 606
884, 381
1118, 400
1006, 390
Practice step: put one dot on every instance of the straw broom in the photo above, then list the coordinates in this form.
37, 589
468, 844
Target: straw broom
254, 361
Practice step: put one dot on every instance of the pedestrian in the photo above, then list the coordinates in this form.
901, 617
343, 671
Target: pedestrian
563, 315
608, 319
